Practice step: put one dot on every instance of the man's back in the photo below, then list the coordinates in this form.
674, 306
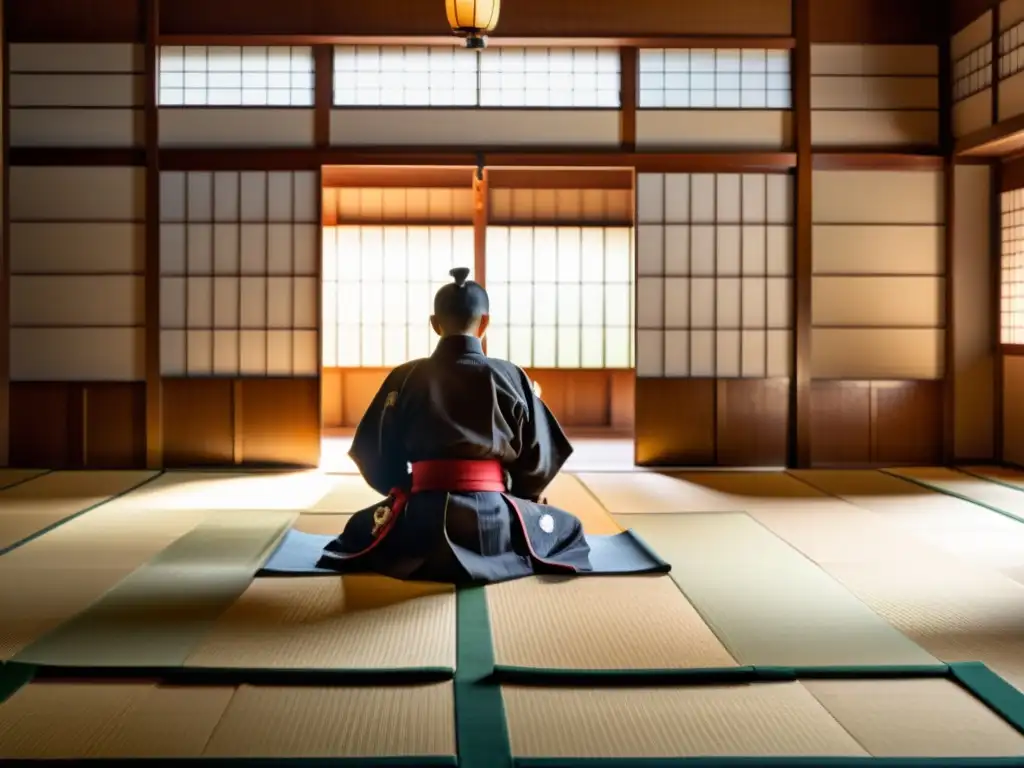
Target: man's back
460, 404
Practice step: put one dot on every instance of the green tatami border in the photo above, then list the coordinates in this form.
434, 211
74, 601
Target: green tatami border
510, 675
993, 480
481, 730
992, 690
768, 762
73, 515
954, 495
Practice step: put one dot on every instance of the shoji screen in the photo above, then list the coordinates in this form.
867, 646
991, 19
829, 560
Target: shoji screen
238, 274
879, 317
77, 263
1011, 58
254, 95
714, 275
76, 95
443, 95
875, 95
386, 250
971, 59
714, 284
1011, 306
379, 285
714, 98
560, 277
878, 307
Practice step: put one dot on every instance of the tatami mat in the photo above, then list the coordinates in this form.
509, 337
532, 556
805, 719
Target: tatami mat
745, 491
956, 611
9, 476
334, 623
232, 490
52, 578
952, 525
1011, 477
337, 722
321, 524
155, 616
764, 719
52, 720
994, 495
625, 493
345, 494
916, 718
44, 501
600, 623
769, 604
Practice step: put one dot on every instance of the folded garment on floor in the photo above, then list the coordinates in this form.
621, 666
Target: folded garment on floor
622, 553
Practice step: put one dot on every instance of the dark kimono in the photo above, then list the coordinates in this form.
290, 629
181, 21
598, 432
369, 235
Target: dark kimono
459, 409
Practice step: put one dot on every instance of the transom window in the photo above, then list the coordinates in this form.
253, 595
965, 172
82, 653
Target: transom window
443, 76
714, 78
256, 76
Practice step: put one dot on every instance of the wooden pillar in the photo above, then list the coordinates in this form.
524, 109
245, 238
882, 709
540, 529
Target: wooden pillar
154, 385
800, 384
481, 198
949, 201
629, 89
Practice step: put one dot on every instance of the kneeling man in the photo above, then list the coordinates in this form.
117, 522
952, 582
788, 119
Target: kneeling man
463, 449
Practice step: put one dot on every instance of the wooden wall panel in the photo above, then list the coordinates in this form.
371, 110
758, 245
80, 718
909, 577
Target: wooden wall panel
753, 422
1013, 409
840, 423
115, 425
198, 422
248, 422
77, 21
907, 422
279, 420
675, 422
43, 424
76, 425
578, 399
524, 18
880, 22
623, 412
865, 423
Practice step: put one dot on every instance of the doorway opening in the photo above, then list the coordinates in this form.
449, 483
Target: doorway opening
554, 247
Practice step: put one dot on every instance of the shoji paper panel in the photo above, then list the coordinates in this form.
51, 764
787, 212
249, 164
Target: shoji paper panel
561, 297
971, 54
238, 273
874, 95
397, 268
77, 260
260, 96
705, 97
878, 296
714, 275
76, 95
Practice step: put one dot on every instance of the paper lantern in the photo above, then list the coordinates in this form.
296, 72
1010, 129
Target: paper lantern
473, 19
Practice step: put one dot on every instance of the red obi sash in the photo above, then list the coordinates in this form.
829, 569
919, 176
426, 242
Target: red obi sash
449, 476
445, 475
